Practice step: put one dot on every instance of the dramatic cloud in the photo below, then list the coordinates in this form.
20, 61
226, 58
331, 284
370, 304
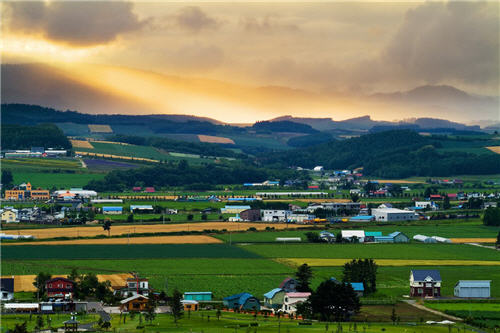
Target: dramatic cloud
75, 23
456, 41
193, 19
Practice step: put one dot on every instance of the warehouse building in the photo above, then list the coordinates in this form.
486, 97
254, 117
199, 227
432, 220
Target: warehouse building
472, 288
393, 214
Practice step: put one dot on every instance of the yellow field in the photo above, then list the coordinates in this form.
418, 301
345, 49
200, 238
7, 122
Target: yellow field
100, 129
25, 282
116, 156
215, 139
397, 181
196, 239
126, 229
81, 144
495, 149
388, 262
111, 142
473, 240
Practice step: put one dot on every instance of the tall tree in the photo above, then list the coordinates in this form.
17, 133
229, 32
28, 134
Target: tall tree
334, 301
491, 216
361, 270
176, 305
107, 226
7, 178
40, 281
304, 276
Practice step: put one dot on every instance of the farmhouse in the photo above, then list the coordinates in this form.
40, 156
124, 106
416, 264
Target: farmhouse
9, 215
135, 286
393, 214
202, 296
352, 235
425, 283
242, 301
134, 303
270, 215
60, 287
112, 210
274, 299
472, 288
234, 209
291, 301
289, 285
7, 289
426, 205
250, 215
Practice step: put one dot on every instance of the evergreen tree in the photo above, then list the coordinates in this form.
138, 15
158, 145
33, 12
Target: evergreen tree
176, 305
334, 301
304, 276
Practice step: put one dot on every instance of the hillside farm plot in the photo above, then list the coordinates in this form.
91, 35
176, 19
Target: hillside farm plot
495, 149
31, 164
107, 165
81, 144
375, 251
215, 139
59, 180
100, 129
196, 239
138, 228
134, 251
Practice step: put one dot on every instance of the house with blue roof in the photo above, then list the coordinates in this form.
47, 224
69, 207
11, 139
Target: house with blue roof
361, 218
359, 287
425, 283
274, 298
242, 301
112, 210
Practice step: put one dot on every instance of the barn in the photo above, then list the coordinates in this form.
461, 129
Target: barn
472, 288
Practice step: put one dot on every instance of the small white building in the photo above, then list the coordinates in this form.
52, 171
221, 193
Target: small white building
426, 205
472, 288
291, 300
271, 215
318, 168
300, 218
393, 214
350, 234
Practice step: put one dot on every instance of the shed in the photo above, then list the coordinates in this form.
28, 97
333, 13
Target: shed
190, 305
242, 301
472, 288
425, 239
149, 190
112, 210
358, 287
205, 296
7, 289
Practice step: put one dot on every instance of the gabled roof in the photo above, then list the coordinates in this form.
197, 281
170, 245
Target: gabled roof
131, 298
422, 274
298, 294
236, 296
270, 294
474, 283
396, 233
7, 284
59, 278
285, 281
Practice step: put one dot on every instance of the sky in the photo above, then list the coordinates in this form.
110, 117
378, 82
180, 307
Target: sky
248, 61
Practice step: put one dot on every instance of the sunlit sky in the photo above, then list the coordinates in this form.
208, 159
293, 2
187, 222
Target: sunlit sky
241, 62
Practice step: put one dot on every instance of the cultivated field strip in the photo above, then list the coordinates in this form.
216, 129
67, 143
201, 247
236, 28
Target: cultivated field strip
24, 283
81, 144
473, 240
215, 139
318, 262
131, 229
188, 239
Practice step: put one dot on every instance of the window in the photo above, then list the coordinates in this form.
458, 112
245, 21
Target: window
420, 290
68, 286
50, 285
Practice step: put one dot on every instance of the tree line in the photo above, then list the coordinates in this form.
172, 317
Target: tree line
25, 137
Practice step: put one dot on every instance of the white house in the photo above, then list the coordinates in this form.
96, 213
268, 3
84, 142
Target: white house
318, 168
393, 214
7, 289
350, 234
472, 288
300, 218
426, 205
291, 300
271, 215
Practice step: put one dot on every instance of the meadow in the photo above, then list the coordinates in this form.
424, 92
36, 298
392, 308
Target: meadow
56, 320
375, 251
132, 251
481, 314
59, 180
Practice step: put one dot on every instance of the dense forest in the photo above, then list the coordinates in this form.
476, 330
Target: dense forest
189, 176
205, 149
401, 153
25, 137
282, 126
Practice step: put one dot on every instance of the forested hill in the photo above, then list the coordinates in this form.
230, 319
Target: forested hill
402, 153
25, 137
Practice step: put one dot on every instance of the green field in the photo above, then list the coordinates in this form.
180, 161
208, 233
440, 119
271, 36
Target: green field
482, 314
135, 251
375, 251
59, 180
56, 320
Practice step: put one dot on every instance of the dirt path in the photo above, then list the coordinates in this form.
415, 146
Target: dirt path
436, 312
485, 246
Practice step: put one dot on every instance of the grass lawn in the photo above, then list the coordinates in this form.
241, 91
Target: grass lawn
229, 322
375, 251
59, 180
56, 320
